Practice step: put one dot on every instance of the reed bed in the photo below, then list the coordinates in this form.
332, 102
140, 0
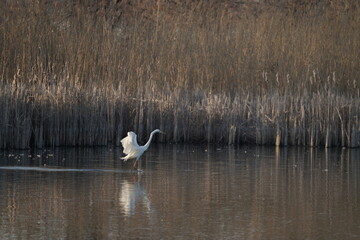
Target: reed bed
75, 76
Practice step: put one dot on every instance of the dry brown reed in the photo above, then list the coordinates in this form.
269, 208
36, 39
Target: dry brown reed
73, 76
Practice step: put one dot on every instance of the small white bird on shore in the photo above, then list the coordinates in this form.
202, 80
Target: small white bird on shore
132, 148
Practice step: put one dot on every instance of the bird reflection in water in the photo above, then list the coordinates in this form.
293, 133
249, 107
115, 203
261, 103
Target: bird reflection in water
132, 195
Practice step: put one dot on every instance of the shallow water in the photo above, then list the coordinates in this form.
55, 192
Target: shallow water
184, 192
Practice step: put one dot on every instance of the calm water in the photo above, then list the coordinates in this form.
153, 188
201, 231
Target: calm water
184, 192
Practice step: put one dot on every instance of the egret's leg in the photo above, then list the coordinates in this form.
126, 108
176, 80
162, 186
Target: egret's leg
135, 163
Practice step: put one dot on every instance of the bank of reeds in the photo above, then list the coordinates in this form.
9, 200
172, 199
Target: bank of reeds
71, 76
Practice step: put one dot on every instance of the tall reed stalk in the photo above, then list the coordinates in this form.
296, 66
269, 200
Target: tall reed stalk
85, 74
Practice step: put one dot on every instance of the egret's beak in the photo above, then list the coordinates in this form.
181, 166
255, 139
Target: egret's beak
162, 132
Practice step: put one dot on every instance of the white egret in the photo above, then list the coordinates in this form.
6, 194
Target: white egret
132, 148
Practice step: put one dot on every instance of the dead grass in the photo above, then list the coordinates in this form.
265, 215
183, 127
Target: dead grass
71, 76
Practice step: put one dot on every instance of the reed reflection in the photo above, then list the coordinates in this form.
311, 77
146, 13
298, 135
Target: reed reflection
185, 192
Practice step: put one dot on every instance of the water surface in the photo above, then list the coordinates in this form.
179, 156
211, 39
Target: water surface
184, 192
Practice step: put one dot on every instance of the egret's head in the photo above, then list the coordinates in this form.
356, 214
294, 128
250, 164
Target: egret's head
158, 131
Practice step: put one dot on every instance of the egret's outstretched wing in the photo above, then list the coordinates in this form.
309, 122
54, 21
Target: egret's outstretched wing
129, 143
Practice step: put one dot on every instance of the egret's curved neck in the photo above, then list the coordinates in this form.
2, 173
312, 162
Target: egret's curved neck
149, 141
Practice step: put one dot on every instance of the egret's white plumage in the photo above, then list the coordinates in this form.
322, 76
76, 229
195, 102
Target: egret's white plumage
129, 144
132, 148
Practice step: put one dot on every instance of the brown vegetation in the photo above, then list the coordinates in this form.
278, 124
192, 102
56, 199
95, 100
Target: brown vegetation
85, 74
